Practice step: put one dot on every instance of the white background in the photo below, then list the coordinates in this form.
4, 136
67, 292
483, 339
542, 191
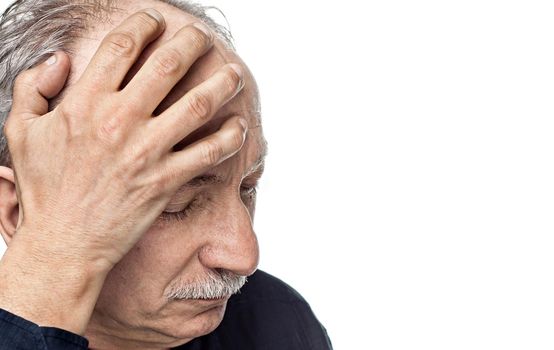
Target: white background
409, 188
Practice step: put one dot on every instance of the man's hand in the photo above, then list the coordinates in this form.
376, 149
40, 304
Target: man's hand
94, 174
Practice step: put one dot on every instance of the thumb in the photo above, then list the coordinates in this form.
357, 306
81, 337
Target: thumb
34, 86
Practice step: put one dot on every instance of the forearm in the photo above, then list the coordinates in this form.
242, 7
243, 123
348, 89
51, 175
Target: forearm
46, 289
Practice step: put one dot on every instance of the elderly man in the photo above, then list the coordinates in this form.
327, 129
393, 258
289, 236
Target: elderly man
127, 184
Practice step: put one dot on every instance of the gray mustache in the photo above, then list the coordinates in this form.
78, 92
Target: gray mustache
213, 286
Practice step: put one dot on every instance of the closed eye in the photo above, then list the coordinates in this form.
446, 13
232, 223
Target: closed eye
182, 214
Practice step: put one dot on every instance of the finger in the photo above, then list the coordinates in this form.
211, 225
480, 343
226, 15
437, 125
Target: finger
35, 86
120, 48
205, 153
167, 65
198, 106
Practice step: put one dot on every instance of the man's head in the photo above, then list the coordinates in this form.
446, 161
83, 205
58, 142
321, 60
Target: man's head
206, 250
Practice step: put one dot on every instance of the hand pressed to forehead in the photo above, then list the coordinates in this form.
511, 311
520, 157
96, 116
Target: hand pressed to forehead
245, 104
108, 172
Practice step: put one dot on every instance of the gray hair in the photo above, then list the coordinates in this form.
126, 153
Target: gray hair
31, 30
216, 285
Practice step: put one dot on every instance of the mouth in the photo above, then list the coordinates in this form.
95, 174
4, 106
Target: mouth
213, 299
208, 301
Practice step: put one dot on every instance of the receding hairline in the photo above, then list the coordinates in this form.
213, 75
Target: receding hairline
32, 30
110, 11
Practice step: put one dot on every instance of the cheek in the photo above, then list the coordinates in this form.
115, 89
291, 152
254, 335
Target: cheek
139, 279
130, 281
167, 248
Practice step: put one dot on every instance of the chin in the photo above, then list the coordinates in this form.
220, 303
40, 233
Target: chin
201, 324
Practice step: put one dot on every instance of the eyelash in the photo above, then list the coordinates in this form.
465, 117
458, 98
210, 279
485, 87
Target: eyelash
179, 215
251, 192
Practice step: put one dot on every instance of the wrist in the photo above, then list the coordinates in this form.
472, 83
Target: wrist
47, 287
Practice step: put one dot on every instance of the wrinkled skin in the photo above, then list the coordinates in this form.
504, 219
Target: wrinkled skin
216, 234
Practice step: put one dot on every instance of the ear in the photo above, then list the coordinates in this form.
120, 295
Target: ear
9, 205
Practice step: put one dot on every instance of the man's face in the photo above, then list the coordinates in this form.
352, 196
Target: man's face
214, 234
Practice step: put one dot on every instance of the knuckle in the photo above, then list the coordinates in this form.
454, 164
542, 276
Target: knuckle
231, 80
167, 62
237, 138
72, 108
211, 153
23, 79
139, 157
69, 109
197, 39
110, 131
121, 44
73, 123
200, 106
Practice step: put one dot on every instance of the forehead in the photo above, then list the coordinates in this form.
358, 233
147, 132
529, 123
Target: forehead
246, 103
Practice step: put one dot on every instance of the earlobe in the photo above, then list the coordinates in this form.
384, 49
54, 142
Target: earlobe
9, 204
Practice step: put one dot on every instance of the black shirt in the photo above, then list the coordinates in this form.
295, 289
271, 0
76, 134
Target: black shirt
267, 315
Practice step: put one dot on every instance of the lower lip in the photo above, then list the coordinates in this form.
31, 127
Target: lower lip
208, 301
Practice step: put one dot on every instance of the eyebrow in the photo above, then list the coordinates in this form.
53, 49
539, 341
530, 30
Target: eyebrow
213, 179
203, 180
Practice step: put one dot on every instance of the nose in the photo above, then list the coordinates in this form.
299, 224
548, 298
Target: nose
232, 243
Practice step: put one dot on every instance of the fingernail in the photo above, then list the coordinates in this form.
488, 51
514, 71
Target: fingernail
240, 72
238, 69
156, 15
51, 60
244, 124
204, 29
